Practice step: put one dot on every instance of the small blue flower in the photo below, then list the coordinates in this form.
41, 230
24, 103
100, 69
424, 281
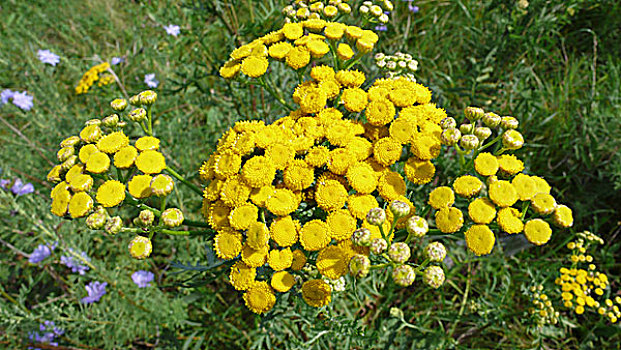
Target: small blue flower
75, 265
116, 60
172, 29
381, 28
5, 95
40, 253
47, 56
149, 79
50, 331
142, 278
23, 100
95, 291
20, 189
4, 183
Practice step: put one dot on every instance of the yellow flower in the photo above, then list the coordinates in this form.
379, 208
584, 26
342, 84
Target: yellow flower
541, 185
280, 50
242, 276
98, 163
543, 203
235, 191
299, 260
387, 151
257, 235
254, 66
423, 94
449, 220
140, 186
73, 172
441, 197
426, 147
314, 235
419, 171
402, 97
350, 78
509, 164
258, 196
111, 193
298, 57
480, 239
339, 133
148, 143
284, 231
226, 164
54, 174
402, 129
563, 216
162, 185
90, 133
279, 260
140, 247
80, 204
321, 73
293, 31
317, 48
313, 101
509, 220
467, 186
259, 298
525, 186
391, 185
354, 99
344, 51
331, 88
258, 171
230, 69
502, 193
282, 281
218, 216
339, 161
482, 211
112, 142
331, 195
537, 231
65, 153
86, 151
227, 245
243, 216
341, 224
254, 257
486, 164
282, 202
362, 178
125, 157
298, 175
334, 30
81, 183
150, 162
316, 293
60, 199
360, 204
279, 154
331, 262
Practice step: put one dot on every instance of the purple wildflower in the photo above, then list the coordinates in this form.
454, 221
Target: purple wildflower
381, 28
95, 291
47, 56
142, 278
74, 264
50, 331
22, 100
5, 95
20, 189
172, 29
149, 79
40, 253
116, 60
4, 183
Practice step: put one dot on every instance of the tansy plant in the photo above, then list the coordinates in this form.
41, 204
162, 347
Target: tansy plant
325, 191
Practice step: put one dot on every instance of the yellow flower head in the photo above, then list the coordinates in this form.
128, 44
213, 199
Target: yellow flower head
354, 99
148, 143
334, 30
293, 31
257, 235
150, 162
387, 151
426, 147
502, 193
482, 211
90, 133
314, 235
282, 281
299, 260
543, 203
140, 247
235, 191
298, 57
339, 161
254, 257
509, 220
509, 164
341, 224
98, 163
331, 195
298, 175
125, 157
313, 101
480, 239
391, 185
243, 216
318, 48
258, 171
86, 151
360, 204
441, 197
81, 183
486, 164
344, 51
254, 66
80, 204
140, 186
228, 245
112, 142
316, 293
525, 186
242, 276
332, 263
317, 156
362, 178
449, 220
280, 50
162, 185
284, 231
111, 193
279, 260
282, 202
563, 216
537, 231
259, 297
321, 73
419, 171
467, 186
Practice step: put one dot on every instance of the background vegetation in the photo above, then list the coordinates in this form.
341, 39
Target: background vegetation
554, 65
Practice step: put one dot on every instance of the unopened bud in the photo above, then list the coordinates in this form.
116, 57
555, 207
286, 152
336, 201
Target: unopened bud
448, 122
376, 216
512, 139
135, 100
482, 133
96, 221
172, 217
119, 104
110, 121
509, 123
361, 237
434, 276
92, 122
474, 113
450, 136
147, 97
378, 246
469, 142
399, 252
466, 128
70, 162
417, 226
403, 275
396, 312
146, 218
114, 225
140, 247
162, 185
491, 119
435, 252
137, 115
359, 265
399, 209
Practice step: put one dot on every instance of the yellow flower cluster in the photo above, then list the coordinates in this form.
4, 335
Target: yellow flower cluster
300, 10
297, 45
265, 180
580, 288
542, 309
93, 75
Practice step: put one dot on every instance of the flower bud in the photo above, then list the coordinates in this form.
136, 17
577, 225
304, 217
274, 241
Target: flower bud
137, 115
509, 123
391, 65
378, 246
491, 119
512, 139
403, 275
417, 226
147, 97
376, 216
330, 11
491, 179
435, 252
469, 142
110, 121
388, 5
363, 9
399, 209
474, 113
119, 104
379, 56
383, 18
361, 237
359, 265
146, 218
162, 185
450, 136
135, 100
172, 217
448, 122
96, 221
434, 276
121, 124
70, 141
92, 122
64, 153
114, 225
140, 247
381, 64
482, 133
413, 65
399, 252
70, 162
376, 10
396, 312
466, 128
345, 8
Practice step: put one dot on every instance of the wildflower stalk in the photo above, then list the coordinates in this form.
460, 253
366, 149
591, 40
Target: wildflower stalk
464, 300
158, 213
462, 159
355, 59
274, 92
118, 82
334, 55
184, 181
150, 121
186, 233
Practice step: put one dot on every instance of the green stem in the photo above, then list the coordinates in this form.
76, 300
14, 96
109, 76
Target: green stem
158, 213
150, 119
163, 204
184, 181
274, 92
525, 209
334, 55
355, 60
186, 233
379, 266
463, 302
